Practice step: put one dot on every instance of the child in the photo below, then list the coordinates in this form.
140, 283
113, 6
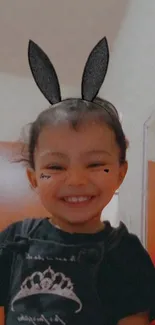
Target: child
71, 268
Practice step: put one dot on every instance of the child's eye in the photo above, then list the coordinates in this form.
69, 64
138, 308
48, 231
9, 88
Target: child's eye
96, 165
55, 167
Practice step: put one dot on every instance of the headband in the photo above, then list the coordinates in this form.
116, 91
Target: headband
46, 77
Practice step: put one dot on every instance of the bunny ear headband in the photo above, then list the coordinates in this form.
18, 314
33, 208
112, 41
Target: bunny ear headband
46, 78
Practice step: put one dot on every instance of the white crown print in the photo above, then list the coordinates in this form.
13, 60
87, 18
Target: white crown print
48, 282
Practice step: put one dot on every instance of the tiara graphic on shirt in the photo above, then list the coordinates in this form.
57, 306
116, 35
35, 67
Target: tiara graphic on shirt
46, 77
50, 283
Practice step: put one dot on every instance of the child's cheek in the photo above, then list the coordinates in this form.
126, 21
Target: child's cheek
50, 181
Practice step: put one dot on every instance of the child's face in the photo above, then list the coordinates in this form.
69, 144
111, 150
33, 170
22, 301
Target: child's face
77, 171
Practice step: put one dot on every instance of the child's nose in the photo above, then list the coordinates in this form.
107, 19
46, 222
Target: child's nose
77, 177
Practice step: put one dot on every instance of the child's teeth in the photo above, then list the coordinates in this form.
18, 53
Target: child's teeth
77, 199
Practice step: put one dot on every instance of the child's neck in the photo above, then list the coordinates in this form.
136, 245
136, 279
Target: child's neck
93, 226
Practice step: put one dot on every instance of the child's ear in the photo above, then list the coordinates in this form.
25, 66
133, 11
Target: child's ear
123, 172
32, 177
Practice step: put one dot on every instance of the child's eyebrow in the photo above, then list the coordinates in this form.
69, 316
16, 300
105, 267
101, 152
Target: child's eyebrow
52, 153
63, 155
92, 152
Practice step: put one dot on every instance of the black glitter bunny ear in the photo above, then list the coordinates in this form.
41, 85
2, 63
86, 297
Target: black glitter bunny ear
44, 73
95, 70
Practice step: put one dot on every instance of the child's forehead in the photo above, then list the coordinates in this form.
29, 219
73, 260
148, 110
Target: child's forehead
88, 129
85, 137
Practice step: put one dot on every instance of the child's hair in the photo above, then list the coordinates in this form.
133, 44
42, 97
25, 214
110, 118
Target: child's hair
75, 111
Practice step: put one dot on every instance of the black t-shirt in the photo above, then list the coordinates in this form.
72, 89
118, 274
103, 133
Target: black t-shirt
125, 282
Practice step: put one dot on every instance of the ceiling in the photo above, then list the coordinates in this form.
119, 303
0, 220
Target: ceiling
66, 30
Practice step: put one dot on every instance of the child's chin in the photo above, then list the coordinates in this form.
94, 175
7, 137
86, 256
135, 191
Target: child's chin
80, 220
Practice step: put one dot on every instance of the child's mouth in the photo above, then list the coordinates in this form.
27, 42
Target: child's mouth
77, 200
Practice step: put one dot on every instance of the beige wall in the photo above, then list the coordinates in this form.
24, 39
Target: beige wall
67, 30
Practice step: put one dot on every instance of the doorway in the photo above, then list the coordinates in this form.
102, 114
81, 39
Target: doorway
148, 193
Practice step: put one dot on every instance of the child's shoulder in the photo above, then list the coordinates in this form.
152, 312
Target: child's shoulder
129, 253
130, 275
10, 231
16, 228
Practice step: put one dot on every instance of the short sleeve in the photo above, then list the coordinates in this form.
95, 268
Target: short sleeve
134, 291
6, 261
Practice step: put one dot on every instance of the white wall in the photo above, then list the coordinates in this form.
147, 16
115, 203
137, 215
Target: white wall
67, 30
20, 103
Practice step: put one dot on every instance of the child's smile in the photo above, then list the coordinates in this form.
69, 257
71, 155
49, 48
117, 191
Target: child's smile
77, 200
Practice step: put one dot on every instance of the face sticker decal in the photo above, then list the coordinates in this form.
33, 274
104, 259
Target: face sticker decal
44, 176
